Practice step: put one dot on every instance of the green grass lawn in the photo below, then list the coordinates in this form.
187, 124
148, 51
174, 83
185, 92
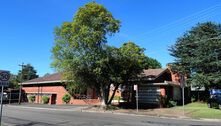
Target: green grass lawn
200, 110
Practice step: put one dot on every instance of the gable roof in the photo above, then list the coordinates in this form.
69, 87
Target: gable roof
53, 78
152, 74
149, 74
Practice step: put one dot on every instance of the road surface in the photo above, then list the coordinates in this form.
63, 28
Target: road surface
27, 116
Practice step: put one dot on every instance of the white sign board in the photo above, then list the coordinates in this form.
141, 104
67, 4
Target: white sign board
4, 77
135, 87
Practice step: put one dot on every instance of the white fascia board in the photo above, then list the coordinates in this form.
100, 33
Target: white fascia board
42, 82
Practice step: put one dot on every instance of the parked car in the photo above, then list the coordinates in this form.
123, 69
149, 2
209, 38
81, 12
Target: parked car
215, 99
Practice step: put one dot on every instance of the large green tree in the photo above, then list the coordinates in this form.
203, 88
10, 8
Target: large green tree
82, 54
198, 53
80, 45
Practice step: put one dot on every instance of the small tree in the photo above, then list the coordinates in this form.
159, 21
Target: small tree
45, 99
66, 98
31, 99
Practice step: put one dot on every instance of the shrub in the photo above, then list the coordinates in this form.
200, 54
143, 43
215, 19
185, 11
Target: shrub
163, 100
31, 98
45, 99
118, 98
66, 98
172, 103
110, 107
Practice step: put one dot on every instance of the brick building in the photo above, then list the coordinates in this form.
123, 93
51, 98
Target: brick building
53, 86
152, 84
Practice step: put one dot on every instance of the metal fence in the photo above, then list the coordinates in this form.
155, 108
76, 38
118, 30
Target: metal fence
13, 97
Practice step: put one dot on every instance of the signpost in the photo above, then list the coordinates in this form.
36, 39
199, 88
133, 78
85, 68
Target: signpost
4, 78
136, 89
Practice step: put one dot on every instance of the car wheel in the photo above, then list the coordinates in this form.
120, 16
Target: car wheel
209, 105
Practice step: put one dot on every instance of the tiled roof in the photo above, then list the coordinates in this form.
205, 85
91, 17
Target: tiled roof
153, 72
57, 77
53, 78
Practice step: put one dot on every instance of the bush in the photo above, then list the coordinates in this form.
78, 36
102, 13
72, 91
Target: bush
110, 107
172, 103
66, 98
163, 100
118, 98
45, 99
31, 99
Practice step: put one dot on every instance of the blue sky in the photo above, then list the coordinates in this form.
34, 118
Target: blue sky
26, 26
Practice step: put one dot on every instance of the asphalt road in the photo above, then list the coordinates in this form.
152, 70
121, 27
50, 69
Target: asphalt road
25, 116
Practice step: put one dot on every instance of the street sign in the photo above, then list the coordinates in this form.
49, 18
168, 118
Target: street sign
4, 77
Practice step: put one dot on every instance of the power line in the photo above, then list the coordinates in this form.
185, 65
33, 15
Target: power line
187, 19
195, 42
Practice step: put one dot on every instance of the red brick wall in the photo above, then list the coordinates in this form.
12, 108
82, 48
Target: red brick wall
60, 91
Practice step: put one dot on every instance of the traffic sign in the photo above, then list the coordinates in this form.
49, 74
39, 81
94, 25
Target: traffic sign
4, 77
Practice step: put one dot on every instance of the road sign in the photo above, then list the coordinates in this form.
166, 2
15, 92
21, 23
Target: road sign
4, 77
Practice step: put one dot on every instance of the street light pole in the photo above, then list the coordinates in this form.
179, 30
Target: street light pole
20, 87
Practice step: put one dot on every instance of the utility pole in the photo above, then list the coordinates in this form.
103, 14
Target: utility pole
20, 87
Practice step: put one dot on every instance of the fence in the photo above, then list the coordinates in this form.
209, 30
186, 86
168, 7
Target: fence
13, 97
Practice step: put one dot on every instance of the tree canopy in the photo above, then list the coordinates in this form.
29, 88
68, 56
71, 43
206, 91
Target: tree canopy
81, 52
198, 53
27, 73
151, 63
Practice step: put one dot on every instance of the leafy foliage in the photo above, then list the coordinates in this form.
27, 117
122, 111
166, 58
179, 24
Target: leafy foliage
31, 98
150, 63
13, 82
82, 53
66, 98
45, 99
198, 52
27, 73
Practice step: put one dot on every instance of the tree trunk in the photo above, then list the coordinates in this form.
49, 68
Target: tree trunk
113, 94
105, 94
